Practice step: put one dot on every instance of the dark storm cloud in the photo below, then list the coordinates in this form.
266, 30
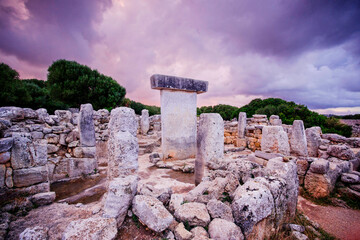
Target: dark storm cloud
49, 30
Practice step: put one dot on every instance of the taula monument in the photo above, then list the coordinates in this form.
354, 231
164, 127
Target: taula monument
178, 114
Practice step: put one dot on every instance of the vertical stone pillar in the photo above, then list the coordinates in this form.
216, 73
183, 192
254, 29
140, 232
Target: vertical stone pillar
178, 114
241, 124
86, 126
144, 122
298, 143
210, 142
123, 146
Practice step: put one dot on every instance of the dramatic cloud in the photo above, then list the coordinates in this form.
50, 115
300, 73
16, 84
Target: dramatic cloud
303, 51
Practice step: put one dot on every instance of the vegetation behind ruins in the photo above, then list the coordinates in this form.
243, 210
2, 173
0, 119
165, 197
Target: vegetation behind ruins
287, 111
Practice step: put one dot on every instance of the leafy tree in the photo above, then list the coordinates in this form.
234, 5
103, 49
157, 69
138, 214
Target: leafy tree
13, 92
75, 84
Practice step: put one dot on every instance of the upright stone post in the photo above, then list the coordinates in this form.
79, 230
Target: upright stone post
178, 114
123, 146
210, 142
144, 122
298, 143
86, 126
241, 141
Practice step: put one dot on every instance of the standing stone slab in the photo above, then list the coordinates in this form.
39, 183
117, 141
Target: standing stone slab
86, 126
210, 142
144, 122
178, 114
29, 176
298, 143
123, 149
122, 119
313, 139
118, 199
241, 125
275, 140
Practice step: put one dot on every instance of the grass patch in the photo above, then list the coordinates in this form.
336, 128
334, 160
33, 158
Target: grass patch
226, 197
187, 226
135, 219
206, 193
184, 202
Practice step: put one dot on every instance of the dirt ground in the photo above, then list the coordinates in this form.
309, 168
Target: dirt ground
341, 222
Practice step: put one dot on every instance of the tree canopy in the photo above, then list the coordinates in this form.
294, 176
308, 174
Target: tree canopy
75, 84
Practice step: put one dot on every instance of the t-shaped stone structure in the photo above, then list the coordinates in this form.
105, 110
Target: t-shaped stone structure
178, 114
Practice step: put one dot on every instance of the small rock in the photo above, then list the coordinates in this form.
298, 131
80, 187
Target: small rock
181, 233
41, 199
220, 229
35, 233
298, 235
320, 166
350, 178
298, 228
194, 213
152, 212
219, 209
175, 201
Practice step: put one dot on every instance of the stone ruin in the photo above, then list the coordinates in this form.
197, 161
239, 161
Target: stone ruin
247, 172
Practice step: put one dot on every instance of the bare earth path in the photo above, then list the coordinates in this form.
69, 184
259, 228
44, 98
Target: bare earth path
340, 222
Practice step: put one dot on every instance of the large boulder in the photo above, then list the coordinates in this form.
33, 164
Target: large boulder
218, 209
318, 185
341, 151
313, 139
5, 144
253, 203
287, 170
34, 233
95, 228
220, 229
123, 119
297, 139
121, 192
151, 212
194, 213
275, 140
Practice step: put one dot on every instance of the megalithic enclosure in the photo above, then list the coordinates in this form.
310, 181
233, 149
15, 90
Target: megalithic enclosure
178, 114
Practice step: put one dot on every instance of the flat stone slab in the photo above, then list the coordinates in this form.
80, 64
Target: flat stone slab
161, 82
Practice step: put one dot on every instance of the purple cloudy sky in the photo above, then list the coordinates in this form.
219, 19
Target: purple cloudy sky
300, 50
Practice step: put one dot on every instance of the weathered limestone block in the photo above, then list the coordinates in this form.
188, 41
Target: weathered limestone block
276, 167
144, 122
313, 138
12, 113
178, 114
151, 212
253, 202
194, 213
63, 115
218, 209
161, 193
123, 151
20, 154
86, 126
2, 175
122, 119
341, 151
320, 166
275, 120
29, 176
199, 233
181, 233
85, 152
42, 114
4, 157
318, 185
175, 201
298, 143
241, 125
121, 192
6, 144
52, 138
8, 178
178, 124
95, 228
210, 142
220, 229
37, 232
275, 139
81, 166
350, 178
41, 199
